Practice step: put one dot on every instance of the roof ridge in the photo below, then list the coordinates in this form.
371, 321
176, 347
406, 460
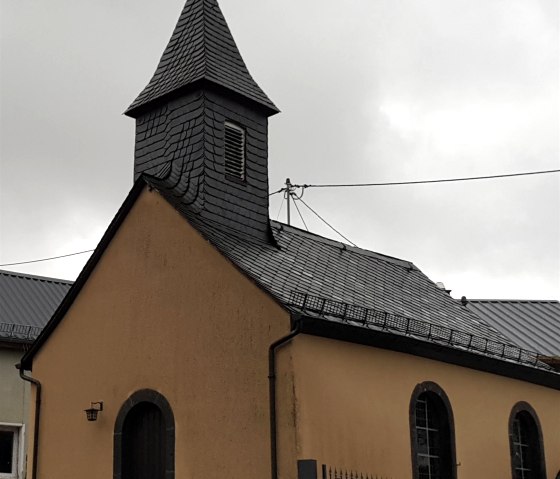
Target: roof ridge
35, 277
204, 42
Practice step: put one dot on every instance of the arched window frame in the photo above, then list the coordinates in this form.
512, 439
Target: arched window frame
153, 397
431, 387
525, 407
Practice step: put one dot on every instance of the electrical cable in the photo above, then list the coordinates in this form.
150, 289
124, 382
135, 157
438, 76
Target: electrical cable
324, 221
443, 180
280, 209
46, 259
348, 185
299, 212
276, 192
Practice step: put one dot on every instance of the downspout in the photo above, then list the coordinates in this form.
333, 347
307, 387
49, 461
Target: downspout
272, 393
37, 416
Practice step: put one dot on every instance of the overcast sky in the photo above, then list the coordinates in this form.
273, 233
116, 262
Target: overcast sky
370, 91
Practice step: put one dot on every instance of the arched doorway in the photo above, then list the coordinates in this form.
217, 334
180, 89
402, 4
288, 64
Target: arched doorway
144, 438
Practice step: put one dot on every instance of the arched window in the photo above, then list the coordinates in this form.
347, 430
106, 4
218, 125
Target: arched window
144, 438
432, 433
526, 443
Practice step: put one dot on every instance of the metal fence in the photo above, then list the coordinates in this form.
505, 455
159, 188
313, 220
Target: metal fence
371, 318
330, 473
19, 331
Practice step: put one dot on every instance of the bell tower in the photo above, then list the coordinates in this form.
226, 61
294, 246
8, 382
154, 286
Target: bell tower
202, 126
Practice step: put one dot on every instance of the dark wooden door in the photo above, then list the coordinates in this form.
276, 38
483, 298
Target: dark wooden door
143, 443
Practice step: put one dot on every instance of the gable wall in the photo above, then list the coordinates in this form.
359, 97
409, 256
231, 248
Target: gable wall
353, 408
162, 310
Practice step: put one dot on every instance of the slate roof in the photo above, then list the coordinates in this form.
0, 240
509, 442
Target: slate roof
532, 324
27, 302
303, 262
298, 262
201, 48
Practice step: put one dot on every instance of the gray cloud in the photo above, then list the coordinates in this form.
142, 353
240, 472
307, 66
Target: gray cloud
369, 91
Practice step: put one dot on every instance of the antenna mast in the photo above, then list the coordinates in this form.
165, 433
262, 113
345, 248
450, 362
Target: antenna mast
289, 190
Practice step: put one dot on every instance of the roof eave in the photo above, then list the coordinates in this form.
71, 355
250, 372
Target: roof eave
409, 345
137, 110
14, 343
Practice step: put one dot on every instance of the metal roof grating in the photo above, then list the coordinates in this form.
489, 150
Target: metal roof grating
395, 323
27, 302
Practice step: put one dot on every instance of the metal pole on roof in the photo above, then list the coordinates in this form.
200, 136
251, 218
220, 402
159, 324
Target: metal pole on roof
288, 195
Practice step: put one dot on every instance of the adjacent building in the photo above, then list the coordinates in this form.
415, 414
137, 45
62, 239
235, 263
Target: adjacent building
205, 340
533, 324
26, 304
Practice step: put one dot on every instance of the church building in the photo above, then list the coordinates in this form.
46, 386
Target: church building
203, 340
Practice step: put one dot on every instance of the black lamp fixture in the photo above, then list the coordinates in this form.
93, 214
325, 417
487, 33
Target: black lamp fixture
91, 413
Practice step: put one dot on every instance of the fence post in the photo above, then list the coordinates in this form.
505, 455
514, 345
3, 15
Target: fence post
307, 469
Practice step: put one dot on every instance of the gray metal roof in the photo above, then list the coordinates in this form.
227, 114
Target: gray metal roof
532, 324
201, 48
27, 302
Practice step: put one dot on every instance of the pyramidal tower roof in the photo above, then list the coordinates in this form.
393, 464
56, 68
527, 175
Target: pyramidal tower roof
201, 48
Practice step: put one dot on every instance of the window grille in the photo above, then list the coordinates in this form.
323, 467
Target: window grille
234, 151
527, 459
428, 433
432, 433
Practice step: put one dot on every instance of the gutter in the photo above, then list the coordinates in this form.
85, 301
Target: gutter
272, 393
37, 416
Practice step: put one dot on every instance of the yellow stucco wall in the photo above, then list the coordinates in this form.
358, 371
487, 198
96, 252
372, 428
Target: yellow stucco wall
353, 410
162, 310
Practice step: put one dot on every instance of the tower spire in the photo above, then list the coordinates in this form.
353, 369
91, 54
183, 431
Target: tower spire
200, 49
202, 127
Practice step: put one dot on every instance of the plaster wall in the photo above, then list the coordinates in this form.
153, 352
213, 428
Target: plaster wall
164, 310
14, 397
14, 392
353, 410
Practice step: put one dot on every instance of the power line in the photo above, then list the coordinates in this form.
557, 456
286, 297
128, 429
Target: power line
346, 185
280, 209
299, 212
418, 182
324, 221
46, 259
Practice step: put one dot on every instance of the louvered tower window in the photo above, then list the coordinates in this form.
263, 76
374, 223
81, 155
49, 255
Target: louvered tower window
234, 151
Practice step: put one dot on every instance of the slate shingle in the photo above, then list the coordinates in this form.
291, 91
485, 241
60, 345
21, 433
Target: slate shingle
201, 48
307, 263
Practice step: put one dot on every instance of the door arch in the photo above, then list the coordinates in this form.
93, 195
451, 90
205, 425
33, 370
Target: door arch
144, 438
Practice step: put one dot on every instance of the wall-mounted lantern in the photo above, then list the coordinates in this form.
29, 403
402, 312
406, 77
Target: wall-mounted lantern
91, 413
